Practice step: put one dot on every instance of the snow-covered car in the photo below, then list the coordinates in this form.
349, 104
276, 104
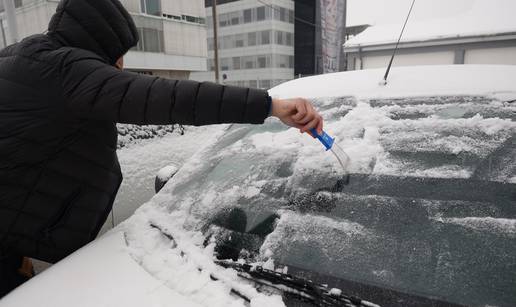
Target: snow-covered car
424, 214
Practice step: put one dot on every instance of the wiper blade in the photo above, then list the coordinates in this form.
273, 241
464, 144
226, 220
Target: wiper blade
306, 290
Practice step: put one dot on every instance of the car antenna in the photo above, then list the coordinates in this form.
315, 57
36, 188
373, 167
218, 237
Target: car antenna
384, 81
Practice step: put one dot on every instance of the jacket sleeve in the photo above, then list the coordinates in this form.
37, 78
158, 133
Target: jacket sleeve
95, 90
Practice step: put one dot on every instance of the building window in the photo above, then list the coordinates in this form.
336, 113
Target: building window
291, 16
265, 37
251, 39
151, 7
236, 63
289, 39
249, 62
262, 62
193, 19
235, 18
260, 13
266, 84
279, 37
210, 43
224, 64
151, 40
248, 16
223, 20
239, 40
283, 14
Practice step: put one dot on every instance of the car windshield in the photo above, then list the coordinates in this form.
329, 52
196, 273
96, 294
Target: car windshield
428, 208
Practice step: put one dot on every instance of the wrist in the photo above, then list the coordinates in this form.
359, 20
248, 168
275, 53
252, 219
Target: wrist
274, 107
269, 102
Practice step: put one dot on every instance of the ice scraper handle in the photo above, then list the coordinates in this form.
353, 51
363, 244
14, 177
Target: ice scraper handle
324, 138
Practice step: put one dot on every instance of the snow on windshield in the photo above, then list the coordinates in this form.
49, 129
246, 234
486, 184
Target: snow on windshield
158, 242
271, 170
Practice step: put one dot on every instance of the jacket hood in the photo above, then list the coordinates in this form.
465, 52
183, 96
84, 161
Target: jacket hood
101, 26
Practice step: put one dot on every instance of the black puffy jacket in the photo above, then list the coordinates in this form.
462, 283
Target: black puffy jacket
60, 98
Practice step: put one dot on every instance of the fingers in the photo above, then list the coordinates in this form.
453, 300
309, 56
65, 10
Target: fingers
298, 113
314, 123
307, 116
320, 126
301, 111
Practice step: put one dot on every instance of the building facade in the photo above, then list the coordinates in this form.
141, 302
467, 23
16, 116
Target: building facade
255, 43
319, 34
172, 33
486, 34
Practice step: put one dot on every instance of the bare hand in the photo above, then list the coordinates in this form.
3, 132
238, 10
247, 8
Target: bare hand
298, 113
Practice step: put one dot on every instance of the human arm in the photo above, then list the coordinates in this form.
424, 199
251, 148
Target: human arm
95, 90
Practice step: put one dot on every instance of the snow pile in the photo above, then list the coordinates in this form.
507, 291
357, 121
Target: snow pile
177, 257
167, 172
488, 224
439, 80
367, 134
129, 134
485, 18
305, 230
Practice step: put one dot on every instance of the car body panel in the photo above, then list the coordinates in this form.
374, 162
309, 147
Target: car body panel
100, 274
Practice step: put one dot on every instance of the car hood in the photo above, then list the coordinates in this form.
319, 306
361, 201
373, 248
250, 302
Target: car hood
101, 274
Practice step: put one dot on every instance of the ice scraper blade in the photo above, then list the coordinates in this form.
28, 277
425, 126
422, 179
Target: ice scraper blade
338, 152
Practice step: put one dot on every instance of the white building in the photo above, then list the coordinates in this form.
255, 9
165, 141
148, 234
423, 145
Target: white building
486, 34
172, 33
256, 43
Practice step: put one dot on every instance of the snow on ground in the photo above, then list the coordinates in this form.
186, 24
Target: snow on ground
406, 82
486, 17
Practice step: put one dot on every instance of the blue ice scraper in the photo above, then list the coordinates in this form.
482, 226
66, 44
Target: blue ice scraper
330, 144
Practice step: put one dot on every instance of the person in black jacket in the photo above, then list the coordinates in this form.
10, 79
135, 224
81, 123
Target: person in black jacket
62, 94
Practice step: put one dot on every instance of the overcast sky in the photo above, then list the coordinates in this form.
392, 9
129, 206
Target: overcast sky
395, 11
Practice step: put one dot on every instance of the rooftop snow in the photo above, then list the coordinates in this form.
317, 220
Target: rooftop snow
485, 18
407, 81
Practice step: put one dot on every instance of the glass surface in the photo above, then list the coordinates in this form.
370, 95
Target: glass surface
279, 37
248, 16
265, 37
289, 39
152, 42
236, 63
260, 13
151, 7
429, 207
251, 39
262, 62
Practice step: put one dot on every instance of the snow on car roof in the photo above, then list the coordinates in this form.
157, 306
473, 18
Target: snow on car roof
485, 18
412, 81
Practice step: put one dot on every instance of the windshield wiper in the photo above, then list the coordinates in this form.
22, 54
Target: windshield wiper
306, 290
